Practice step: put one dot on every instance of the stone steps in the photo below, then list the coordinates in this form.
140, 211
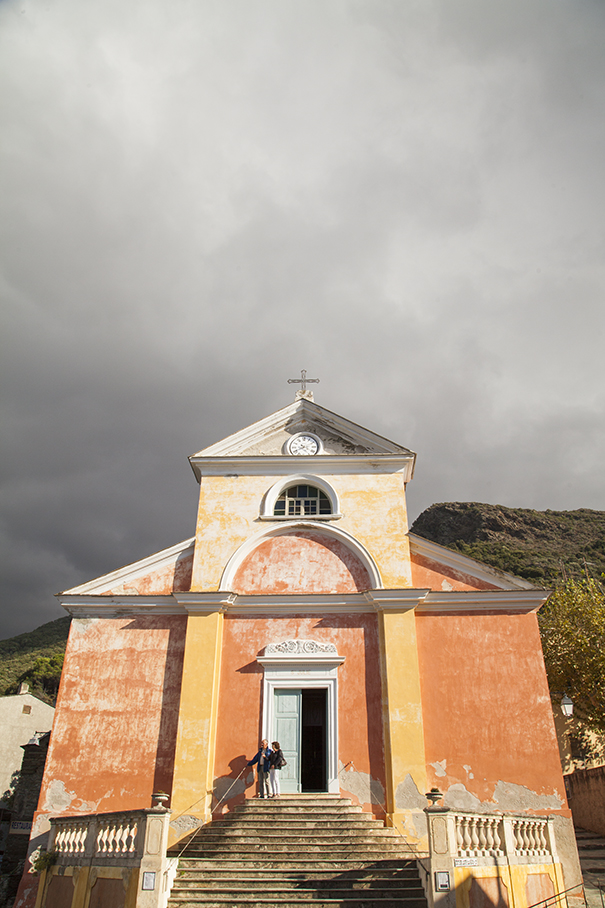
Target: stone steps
360, 881
261, 898
295, 851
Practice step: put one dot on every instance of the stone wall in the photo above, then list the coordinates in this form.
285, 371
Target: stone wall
586, 795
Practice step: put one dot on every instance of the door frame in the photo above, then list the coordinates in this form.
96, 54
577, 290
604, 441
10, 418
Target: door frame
303, 665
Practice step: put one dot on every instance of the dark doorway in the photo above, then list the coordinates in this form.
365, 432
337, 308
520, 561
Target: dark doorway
313, 740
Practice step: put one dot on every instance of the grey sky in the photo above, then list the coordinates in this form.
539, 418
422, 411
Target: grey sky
201, 198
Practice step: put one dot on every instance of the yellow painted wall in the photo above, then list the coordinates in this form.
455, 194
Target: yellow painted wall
195, 746
403, 725
373, 508
513, 876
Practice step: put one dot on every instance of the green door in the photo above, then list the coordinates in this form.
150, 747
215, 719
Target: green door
287, 726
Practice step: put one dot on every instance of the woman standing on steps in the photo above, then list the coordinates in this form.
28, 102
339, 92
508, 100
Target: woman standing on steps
277, 760
263, 758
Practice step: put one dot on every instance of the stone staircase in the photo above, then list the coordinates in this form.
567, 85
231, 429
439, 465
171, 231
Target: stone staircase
313, 850
591, 851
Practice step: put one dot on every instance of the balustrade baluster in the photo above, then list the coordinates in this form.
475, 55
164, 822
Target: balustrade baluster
533, 836
481, 822
543, 842
489, 835
524, 836
459, 837
467, 836
474, 835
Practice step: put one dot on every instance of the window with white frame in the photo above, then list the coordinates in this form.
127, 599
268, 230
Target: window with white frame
302, 501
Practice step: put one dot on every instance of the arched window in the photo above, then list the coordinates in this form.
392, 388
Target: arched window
302, 501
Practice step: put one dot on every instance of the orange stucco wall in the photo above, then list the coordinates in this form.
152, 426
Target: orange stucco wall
427, 574
113, 739
488, 723
173, 578
359, 691
301, 562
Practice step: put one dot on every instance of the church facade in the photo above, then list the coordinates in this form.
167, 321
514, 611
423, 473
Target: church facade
303, 610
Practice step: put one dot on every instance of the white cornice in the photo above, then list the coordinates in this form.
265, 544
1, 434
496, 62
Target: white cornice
119, 606
421, 600
465, 565
132, 571
285, 464
521, 601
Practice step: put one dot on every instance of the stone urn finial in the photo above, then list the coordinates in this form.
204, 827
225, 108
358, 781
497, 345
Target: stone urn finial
433, 796
161, 797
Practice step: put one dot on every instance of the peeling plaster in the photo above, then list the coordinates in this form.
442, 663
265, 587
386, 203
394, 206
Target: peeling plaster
361, 784
440, 768
82, 625
459, 797
446, 586
468, 770
407, 795
185, 823
421, 824
41, 824
509, 796
57, 797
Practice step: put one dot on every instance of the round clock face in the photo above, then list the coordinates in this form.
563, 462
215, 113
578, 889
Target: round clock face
303, 444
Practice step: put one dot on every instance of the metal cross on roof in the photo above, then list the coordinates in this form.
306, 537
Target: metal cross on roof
303, 381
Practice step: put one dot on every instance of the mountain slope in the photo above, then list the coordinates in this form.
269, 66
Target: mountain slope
539, 546
19, 655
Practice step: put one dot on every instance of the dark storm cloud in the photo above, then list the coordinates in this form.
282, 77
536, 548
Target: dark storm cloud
201, 198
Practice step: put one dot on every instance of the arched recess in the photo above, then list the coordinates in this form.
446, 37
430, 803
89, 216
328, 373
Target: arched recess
338, 545
268, 503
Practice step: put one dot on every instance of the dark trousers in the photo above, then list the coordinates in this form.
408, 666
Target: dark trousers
263, 784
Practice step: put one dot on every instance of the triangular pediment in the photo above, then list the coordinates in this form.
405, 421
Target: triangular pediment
268, 436
162, 573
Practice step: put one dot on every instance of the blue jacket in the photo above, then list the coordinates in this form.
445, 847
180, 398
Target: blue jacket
265, 767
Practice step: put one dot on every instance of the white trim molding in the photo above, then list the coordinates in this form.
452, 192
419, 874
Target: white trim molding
271, 495
284, 529
298, 665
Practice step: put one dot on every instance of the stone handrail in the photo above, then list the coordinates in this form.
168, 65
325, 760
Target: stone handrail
126, 840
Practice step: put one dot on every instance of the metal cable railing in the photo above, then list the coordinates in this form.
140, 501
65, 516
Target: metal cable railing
557, 898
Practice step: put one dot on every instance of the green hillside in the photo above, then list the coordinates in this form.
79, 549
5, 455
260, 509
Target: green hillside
540, 546
35, 657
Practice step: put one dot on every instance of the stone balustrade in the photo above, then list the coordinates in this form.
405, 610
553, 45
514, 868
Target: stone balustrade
489, 835
129, 845
486, 845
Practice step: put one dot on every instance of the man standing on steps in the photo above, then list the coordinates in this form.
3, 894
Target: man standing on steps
263, 758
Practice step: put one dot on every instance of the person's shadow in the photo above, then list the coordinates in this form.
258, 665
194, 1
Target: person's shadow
230, 790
